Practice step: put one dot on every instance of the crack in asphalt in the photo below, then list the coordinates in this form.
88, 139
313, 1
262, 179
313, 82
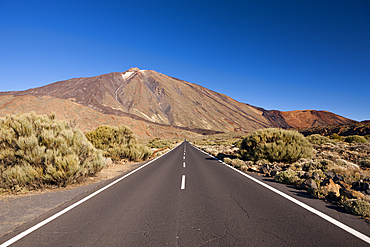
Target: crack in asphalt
227, 233
241, 207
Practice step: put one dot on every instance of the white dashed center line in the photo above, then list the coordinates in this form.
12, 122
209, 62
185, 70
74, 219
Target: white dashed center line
183, 182
183, 165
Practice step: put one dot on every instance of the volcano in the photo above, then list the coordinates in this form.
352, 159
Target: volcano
157, 99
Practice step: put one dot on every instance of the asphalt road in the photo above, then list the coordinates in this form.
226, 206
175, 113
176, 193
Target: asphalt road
187, 198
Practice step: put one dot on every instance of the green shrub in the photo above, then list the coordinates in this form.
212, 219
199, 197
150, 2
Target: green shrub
336, 137
158, 143
367, 138
287, 177
357, 207
275, 145
237, 163
238, 143
319, 139
355, 138
227, 161
36, 151
118, 143
314, 165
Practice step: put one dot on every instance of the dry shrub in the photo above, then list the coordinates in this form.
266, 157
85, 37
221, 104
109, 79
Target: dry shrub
118, 143
288, 177
275, 145
38, 150
319, 139
158, 143
355, 138
357, 207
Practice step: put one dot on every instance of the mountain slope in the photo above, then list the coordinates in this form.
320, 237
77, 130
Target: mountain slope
84, 118
150, 96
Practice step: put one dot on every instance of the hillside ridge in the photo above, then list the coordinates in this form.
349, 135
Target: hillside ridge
149, 96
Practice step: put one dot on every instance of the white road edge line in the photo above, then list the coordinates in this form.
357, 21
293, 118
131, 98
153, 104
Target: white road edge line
305, 206
44, 222
183, 182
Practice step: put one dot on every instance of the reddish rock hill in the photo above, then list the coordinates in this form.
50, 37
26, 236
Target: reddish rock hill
311, 118
160, 100
361, 128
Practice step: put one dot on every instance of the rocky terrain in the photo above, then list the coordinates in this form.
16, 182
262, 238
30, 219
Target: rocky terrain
361, 128
154, 104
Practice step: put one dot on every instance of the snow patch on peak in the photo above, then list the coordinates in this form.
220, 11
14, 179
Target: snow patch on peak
126, 75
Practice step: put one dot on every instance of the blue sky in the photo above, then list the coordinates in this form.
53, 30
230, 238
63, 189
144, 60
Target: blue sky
277, 54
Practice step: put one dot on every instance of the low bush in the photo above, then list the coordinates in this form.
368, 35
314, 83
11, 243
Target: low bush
319, 139
335, 137
227, 161
288, 177
314, 165
275, 145
158, 143
355, 138
237, 163
118, 143
36, 151
357, 207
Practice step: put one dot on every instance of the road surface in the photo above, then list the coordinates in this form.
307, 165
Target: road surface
187, 198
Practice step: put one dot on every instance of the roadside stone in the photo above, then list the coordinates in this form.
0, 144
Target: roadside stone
301, 174
273, 173
366, 188
338, 178
253, 168
357, 186
248, 163
351, 194
344, 185
244, 168
326, 181
265, 169
330, 174
315, 175
284, 168
309, 184
108, 162
332, 189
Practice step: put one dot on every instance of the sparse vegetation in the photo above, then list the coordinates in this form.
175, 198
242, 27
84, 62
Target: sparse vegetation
287, 177
275, 145
357, 207
158, 143
38, 151
355, 138
335, 137
319, 139
118, 143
